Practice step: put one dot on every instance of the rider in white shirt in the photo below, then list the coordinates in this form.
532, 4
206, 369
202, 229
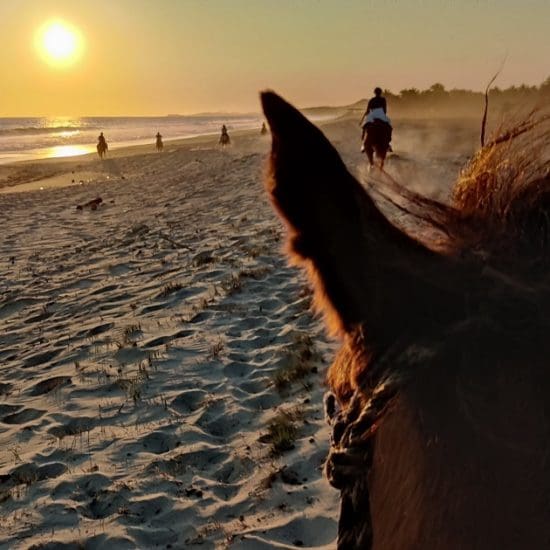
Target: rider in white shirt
376, 110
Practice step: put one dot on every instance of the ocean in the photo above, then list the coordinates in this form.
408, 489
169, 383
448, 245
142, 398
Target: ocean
37, 138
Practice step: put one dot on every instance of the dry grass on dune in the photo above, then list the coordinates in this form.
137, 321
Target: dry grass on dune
500, 203
507, 183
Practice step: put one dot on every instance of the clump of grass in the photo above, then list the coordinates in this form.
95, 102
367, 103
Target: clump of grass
268, 481
128, 335
232, 284
131, 330
14, 450
216, 349
295, 370
299, 361
253, 251
254, 273
168, 289
282, 430
133, 385
203, 258
208, 530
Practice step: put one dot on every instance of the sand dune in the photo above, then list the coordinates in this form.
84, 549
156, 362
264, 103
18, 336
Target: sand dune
141, 343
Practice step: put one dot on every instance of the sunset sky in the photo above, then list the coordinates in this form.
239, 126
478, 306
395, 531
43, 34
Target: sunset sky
145, 57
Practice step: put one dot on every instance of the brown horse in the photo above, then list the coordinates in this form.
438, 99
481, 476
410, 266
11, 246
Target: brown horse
102, 149
159, 143
440, 407
224, 137
377, 140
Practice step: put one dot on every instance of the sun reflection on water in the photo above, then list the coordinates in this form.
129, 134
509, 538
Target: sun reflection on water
68, 150
67, 133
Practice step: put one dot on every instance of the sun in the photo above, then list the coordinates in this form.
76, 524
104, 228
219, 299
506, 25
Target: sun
59, 43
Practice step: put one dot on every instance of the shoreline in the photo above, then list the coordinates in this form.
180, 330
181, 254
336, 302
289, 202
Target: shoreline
55, 172
410, 135
90, 149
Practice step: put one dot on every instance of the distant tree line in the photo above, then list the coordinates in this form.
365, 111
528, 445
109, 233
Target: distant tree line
436, 100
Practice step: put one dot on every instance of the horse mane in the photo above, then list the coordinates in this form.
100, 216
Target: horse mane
498, 222
500, 206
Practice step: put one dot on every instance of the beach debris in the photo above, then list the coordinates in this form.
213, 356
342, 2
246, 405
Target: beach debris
202, 258
193, 492
138, 229
92, 205
174, 243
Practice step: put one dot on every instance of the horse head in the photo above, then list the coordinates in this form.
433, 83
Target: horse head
439, 403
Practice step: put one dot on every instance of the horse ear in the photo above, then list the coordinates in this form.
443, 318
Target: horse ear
358, 260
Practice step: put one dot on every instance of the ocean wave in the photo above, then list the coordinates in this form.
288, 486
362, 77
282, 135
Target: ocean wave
42, 130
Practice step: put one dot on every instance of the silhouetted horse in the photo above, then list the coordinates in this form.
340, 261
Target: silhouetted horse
377, 139
224, 137
102, 148
440, 409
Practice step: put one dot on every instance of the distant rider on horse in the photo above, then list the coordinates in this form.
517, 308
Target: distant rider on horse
376, 110
224, 138
102, 146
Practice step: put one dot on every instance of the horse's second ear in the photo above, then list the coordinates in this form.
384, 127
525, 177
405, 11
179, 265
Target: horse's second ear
357, 259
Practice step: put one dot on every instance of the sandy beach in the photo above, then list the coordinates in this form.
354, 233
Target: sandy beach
154, 345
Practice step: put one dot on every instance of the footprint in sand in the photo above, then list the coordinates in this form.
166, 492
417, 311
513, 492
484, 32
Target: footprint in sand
192, 462
236, 468
30, 473
189, 401
22, 417
226, 425
105, 504
6, 409
75, 426
237, 369
158, 442
40, 358
50, 384
99, 329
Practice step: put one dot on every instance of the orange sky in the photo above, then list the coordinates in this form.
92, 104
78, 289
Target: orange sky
145, 57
